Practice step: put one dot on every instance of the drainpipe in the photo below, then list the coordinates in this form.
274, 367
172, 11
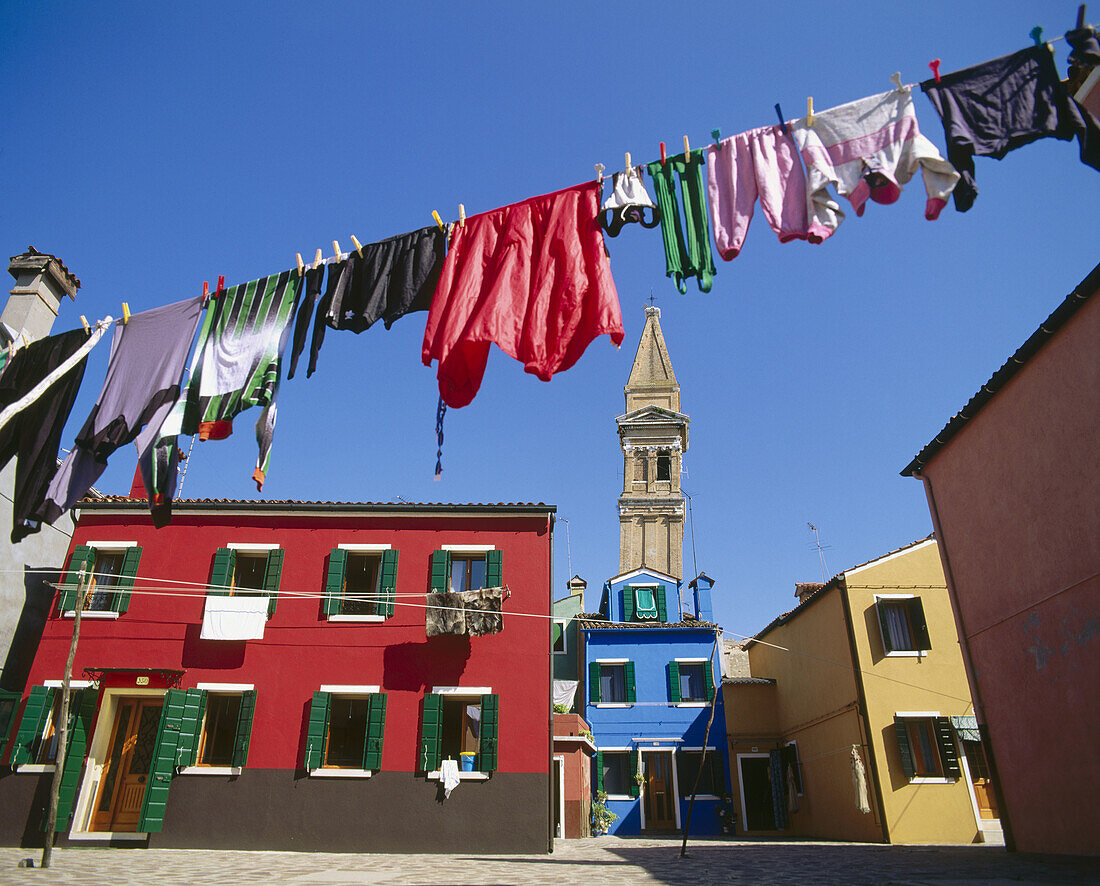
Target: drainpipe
552, 816
872, 758
968, 665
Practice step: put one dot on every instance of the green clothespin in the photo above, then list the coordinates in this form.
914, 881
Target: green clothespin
1037, 35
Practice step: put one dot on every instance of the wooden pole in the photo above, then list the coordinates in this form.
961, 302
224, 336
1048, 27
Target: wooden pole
703, 755
62, 727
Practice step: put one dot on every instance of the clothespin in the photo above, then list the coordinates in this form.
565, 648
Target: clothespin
205, 292
125, 313
895, 78
461, 213
301, 267
664, 156
1036, 34
221, 285
23, 336
599, 174
336, 249
935, 66
438, 220
628, 167
809, 110
318, 258
1080, 16
687, 149
84, 323
782, 122
716, 134
358, 246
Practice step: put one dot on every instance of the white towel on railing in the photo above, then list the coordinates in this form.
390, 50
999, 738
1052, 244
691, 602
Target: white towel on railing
234, 618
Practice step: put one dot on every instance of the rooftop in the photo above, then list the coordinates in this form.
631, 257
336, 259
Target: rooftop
125, 502
595, 621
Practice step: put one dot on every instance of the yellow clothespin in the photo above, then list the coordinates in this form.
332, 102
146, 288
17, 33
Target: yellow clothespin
336, 249
628, 166
687, 148
320, 257
301, 267
461, 214
84, 323
23, 336
125, 313
810, 110
358, 246
438, 220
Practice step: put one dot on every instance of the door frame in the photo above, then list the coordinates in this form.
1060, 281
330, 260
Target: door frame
671, 751
98, 752
741, 787
559, 761
984, 824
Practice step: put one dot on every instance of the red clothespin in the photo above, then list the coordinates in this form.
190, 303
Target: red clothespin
935, 66
221, 284
664, 155
205, 292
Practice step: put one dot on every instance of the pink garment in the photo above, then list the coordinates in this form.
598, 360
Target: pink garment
534, 278
759, 163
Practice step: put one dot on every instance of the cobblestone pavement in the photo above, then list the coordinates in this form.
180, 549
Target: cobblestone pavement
604, 860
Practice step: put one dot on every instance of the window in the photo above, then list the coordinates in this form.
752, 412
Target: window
219, 730
615, 772
344, 735
460, 568
37, 737
902, 625
458, 721
711, 782
248, 569
664, 467
361, 583
110, 568
641, 468
645, 603
690, 681
611, 682
557, 637
215, 727
927, 747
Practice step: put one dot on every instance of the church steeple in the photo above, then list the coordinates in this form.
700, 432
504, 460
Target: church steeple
653, 434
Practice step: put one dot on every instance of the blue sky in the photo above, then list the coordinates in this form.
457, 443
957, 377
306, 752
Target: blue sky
154, 146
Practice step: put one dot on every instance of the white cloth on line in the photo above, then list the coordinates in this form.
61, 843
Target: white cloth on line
234, 618
448, 770
564, 692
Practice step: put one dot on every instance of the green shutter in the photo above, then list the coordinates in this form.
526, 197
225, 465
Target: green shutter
244, 728
918, 625
631, 691
120, 601
948, 752
494, 569
490, 728
594, 682
389, 584
628, 604
82, 555
556, 631
334, 581
272, 575
441, 571
903, 746
887, 646
164, 763
376, 728
35, 712
431, 732
662, 605
316, 730
194, 707
599, 770
221, 576
708, 679
634, 786
674, 682
83, 703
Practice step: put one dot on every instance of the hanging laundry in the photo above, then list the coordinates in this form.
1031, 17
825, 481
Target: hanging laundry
1003, 104
445, 614
483, 611
392, 278
687, 245
758, 164
448, 774
242, 617
868, 149
628, 202
532, 277
236, 365
33, 435
305, 314
142, 383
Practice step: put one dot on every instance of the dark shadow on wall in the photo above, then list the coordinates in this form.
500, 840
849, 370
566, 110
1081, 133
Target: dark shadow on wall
411, 667
199, 653
37, 602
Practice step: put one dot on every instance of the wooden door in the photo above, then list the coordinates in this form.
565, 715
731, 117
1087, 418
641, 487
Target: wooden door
126, 772
660, 813
980, 778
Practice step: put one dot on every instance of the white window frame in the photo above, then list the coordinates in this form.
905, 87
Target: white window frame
925, 715
107, 547
462, 692
369, 548
216, 689
612, 704
693, 704
898, 653
627, 750
711, 749
564, 642
468, 549
344, 689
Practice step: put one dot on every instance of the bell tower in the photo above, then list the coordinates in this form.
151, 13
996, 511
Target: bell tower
653, 434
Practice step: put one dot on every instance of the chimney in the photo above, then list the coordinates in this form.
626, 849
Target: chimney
41, 282
700, 587
803, 589
577, 586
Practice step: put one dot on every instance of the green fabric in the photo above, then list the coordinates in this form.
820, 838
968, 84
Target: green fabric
494, 569
674, 682
490, 722
376, 727
645, 604
82, 712
388, 584
967, 728
441, 571
687, 245
244, 728
125, 584
272, 575
163, 765
35, 712
334, 581
221, 576
316, 730
431, 732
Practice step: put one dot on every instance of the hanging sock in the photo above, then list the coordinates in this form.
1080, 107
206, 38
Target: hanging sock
687, 245
627, 203
440, 412
33, 434
1004, 104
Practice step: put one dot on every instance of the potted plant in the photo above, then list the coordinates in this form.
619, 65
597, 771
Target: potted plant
602, 817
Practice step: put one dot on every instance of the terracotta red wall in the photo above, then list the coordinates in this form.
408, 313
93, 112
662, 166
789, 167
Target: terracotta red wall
300, 651
1018, 497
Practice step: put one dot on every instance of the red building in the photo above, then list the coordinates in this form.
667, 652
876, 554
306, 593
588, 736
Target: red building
328, 728
1013, 485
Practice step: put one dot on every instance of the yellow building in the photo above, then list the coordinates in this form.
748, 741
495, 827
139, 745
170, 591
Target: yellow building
865, 674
